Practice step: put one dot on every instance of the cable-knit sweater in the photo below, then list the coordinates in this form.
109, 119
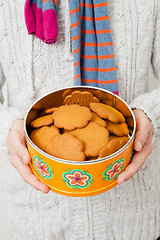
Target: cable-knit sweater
28, 70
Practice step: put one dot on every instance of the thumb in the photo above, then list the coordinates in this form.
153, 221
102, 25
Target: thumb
144, 127
23, 151
17, 142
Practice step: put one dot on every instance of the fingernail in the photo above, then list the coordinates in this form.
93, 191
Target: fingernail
120, 181
140, 145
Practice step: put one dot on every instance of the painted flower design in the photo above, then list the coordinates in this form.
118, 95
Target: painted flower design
131, 153
42, 167
114, 170
77, 178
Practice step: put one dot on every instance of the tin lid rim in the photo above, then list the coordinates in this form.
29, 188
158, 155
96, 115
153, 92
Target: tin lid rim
80, 162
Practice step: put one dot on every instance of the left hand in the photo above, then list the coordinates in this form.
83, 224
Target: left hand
142, 146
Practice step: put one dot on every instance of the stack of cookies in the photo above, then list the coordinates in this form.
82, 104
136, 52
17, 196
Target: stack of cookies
83, 128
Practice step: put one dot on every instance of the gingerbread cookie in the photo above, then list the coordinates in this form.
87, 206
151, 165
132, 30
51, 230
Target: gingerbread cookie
118, 129
113, 146
130, 122
51, 110
67, 92
99, 94
107, 112
94, 138
121, 139
71, 117
42, 121
81, 98
98, 120
41, 136
66, 146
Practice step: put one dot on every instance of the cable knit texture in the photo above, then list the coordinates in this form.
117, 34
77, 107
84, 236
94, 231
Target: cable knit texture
28, 70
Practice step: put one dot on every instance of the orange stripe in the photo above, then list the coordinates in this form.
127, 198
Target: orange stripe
95, 5
89, 56
89, 44
74, 11
89, 5
93, 31
76, 37
95, 56
103, 31
87, 31
100, 5
98, 69
77, 76
75, 24
98, 81
102, 18
86, 18
76, 64
96, 44
76, 50
105, 44
54, 1
96, 19
106, 69
106, 56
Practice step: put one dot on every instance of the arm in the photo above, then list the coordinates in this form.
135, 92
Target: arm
150, 102
147, 114
12, 137
8, 114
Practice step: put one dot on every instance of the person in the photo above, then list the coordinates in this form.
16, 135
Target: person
29, 69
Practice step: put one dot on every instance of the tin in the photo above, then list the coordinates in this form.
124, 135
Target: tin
85, 178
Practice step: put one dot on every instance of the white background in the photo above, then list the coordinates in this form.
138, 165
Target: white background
4, 196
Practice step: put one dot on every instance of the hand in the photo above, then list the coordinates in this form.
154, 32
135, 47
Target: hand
142, 146
20, 157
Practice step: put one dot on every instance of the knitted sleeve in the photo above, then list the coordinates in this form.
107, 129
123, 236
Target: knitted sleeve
150, 101
7, 114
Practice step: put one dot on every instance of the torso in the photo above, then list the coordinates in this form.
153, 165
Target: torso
50, 67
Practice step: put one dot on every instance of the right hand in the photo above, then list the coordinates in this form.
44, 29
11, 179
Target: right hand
20, 157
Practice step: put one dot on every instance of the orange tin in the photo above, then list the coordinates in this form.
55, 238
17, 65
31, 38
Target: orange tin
85, 178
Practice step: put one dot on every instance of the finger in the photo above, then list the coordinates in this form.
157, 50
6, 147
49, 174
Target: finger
144, 127
137, 162
27, 175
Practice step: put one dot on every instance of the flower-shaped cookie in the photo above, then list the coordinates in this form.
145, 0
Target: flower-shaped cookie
81, 98
71, 117
66, 146
121, 139
94, 138
42, 121
118, 129
98, 120
107, 112
113, 146
41, 136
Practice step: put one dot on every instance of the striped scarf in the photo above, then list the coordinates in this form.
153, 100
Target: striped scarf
92, 44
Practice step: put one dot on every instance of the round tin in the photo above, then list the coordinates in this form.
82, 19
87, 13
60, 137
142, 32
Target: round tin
72, 178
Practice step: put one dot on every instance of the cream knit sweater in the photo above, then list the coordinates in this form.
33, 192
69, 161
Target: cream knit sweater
28, 70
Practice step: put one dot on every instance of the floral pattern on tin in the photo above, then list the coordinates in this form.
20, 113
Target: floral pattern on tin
42, 168
77, 179
131, 154
113, 170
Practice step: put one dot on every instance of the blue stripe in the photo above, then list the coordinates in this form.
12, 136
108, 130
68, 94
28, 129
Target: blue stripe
45, 6
95, 75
